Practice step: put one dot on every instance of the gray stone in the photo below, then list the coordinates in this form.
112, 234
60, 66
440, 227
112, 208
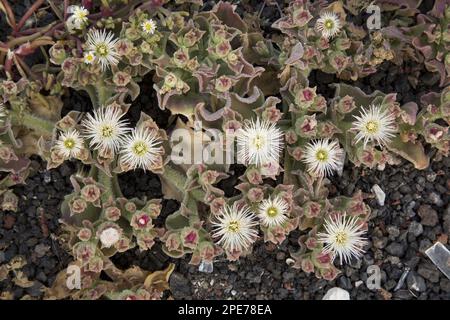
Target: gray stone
415, 228
436, 199
429, 272
396, 249
428, 215
416, 282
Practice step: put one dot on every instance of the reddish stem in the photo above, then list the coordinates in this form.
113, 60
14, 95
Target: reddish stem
10, 14
28, 14
66, 5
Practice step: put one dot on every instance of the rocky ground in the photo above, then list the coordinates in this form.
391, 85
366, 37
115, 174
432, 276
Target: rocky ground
416, 214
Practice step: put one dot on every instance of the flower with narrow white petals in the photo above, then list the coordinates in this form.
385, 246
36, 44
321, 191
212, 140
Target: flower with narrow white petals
102, 44
328, 24
149, 26
70, 143
141, 149
105, 128
79, 16
343, 238
235, 228
322, 157
273, 212
259, 143
109, 237
89, 57
374, 125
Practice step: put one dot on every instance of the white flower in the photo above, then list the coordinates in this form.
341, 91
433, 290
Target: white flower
140, 149
89, 57
105, 128
272, 212
343, 238
109, 237
149, 26
374, 125
328, 24
69, 143
235, 228
79, 16
259, 142
102, 43
323, 157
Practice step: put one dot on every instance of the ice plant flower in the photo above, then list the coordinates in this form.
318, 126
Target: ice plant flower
89, 57
79, 16
149, 26
272, 212
235, 228
343, 237
140, 149
322, 157
105, 128
328, 24
374, 125
69, 143
259, 142
102, 43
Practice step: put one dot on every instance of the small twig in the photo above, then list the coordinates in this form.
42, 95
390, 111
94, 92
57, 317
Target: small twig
28, 14
43, 222
9, 14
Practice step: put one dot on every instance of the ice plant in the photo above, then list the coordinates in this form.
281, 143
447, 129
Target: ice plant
149, 26
272, 212
79, 16
109, 237
69, 143
140, 149
259, 142
328, 24
102, 43
374, 125
234, 228
322, 157
343, 237
89, 57
105, 129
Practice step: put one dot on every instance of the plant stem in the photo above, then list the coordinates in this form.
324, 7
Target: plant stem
107, 182
32, 122
178, 180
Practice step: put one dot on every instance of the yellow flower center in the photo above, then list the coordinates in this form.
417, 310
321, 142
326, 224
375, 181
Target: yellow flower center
258, 142
329, 24
107, 131
80, 14
322, 155
89, 57
233, 226
272, 212
69, 143
148, 26
341, 238
372, 126
140, 149
102, 50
